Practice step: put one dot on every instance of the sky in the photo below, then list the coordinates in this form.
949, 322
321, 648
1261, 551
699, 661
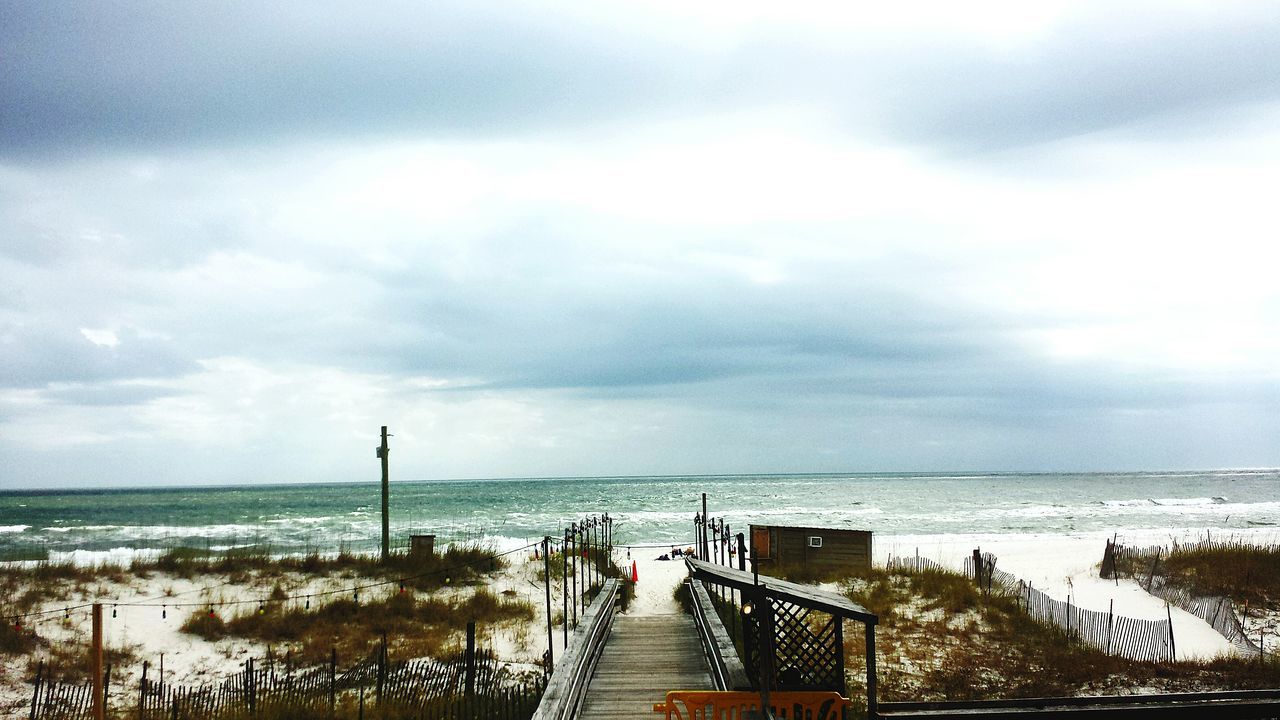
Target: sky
579, 238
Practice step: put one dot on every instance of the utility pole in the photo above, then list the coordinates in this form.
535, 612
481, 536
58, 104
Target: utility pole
383, 453
95, 664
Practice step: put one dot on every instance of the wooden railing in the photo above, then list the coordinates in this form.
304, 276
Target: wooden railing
727, 671
568, 683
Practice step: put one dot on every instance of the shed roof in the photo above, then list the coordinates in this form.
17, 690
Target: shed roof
795, 593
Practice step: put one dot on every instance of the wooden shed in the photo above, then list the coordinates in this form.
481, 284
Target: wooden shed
817, 550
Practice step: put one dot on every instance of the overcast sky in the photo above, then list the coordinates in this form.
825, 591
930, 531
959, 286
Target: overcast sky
635, 238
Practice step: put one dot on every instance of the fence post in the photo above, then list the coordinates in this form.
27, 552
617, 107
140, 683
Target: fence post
1154, 563
333, 680
742, 552
564, 584
382, 667
977, 567
1173, 655
471, 658
1110, 618
251, 691
574, 534
35, 695
106, 687
142, 691
704, 547
546, 575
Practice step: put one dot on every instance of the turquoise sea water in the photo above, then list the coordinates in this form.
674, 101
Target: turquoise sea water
97, 524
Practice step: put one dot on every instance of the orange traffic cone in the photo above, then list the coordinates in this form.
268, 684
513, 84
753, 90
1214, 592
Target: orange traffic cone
635, 576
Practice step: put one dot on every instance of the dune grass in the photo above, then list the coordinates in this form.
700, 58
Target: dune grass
422, 571
941, 638
1244, 573
419, 625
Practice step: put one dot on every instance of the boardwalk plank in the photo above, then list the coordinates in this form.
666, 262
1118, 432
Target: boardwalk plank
645, 658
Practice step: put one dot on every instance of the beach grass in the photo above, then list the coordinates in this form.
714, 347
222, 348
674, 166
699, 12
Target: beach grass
939, 637
422, 571
419, 625
1244, 573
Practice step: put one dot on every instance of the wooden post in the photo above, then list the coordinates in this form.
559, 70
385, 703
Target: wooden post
742, 552
1173, 655
251, 690
871, 670
95, 663
471, 659
142, 690
1154, 563
1111, 609
35, 695
564, 584
382, 668
333, 680
383, 453
977, 567
573, 532
546, 575
704, 548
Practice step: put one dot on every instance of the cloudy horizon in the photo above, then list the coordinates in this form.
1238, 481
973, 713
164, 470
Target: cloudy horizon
559, 239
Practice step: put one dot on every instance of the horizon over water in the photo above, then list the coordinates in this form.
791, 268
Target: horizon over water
84, 526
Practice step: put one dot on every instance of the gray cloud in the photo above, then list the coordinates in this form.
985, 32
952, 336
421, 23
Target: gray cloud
132, 77
129, 76
37, 355
178, 176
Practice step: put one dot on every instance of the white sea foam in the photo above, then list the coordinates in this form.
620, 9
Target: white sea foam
1190, 501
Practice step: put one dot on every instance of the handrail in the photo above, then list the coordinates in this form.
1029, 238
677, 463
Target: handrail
568, 683
727, 671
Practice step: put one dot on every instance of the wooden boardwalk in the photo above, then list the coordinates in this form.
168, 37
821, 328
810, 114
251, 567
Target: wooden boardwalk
645, 657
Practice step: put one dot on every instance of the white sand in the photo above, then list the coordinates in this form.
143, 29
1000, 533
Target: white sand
1065, 566
1060, 565
657, 581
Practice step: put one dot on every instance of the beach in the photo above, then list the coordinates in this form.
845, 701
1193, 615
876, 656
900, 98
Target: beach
1062, 559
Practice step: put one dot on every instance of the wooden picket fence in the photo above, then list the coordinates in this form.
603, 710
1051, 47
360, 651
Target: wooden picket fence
1114, 634
1143, 565
473, 686
913, 563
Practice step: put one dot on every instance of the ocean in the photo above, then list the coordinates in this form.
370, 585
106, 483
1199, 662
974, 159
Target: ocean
117, 524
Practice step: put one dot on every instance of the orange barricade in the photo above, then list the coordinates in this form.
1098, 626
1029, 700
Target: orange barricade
741, 705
